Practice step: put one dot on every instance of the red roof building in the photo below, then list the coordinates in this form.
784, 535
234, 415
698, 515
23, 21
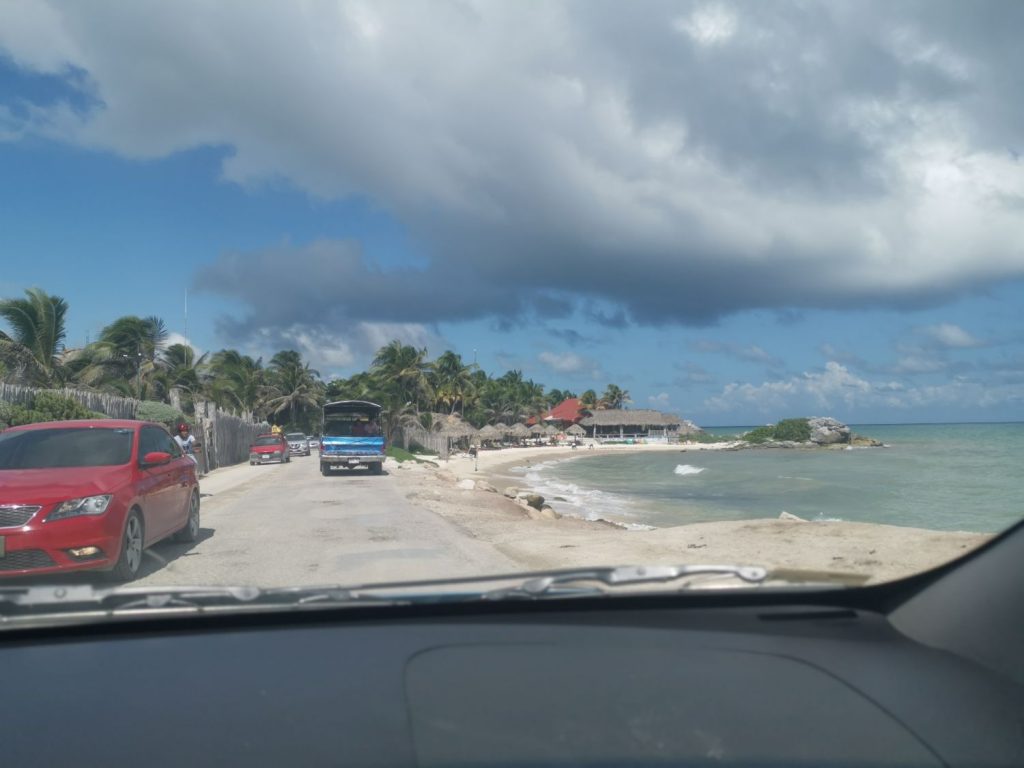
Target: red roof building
567, 412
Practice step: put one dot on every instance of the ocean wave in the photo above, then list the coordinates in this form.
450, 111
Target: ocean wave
687, 469
821, 517
587, 503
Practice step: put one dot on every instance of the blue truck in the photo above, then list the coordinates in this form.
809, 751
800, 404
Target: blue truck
351, 437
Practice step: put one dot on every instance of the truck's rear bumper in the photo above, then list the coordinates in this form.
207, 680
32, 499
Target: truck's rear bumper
351, 460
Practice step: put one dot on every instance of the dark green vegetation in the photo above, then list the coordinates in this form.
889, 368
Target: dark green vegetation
795, 430
132, 358
45, 406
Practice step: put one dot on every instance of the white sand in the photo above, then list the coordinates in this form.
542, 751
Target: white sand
866, 552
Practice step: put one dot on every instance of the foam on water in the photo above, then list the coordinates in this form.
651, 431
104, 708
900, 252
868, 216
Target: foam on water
589, 504
687, 469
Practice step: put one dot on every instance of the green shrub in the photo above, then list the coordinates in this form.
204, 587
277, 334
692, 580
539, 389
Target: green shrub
44, 406
150, 410
797, 430
760, 435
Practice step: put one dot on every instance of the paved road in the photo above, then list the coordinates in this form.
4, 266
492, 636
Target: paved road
287, 525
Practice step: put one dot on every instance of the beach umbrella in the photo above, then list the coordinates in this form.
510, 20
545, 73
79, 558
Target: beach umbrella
489, 432
550, 430
576, 430
537, 430
520, 430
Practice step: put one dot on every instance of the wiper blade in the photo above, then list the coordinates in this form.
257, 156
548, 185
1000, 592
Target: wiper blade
558, 583
33, 600
18, 604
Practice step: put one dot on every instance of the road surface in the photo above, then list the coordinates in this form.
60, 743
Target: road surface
280, 525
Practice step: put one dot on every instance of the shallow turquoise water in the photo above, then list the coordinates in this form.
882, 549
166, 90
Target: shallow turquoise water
965, 477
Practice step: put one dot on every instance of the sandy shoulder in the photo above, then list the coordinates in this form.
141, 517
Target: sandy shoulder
874, 552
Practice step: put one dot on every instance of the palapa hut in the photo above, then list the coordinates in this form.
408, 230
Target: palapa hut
576, 431
639, 424
489, 433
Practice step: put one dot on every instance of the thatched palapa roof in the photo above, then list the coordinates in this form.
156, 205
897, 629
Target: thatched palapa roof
576, 429
640, 417
489, 432
451, 425
519, 430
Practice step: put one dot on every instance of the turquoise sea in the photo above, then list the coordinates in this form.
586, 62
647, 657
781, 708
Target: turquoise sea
956, 477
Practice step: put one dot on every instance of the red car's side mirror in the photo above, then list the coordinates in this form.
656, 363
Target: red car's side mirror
154, 458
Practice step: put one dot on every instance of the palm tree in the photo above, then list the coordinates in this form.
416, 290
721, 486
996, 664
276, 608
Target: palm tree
452, 381
124, 359
294, 386
37, 323
182, 367
614, 397
588, 400
403, 373
236, 381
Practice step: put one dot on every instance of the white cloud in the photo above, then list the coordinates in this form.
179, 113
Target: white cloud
567, 362
574, 156
836, 389
949, 335
708, 25
173, 337
660, 400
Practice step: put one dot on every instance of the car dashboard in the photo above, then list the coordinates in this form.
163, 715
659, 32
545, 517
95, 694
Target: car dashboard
588, 683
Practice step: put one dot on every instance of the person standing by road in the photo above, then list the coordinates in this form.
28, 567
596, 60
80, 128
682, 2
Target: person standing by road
188, 444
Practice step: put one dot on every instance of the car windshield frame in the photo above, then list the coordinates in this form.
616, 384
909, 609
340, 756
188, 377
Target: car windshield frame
9, 440
267, 440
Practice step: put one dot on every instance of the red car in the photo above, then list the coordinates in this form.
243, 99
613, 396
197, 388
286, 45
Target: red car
267, 448
77, 495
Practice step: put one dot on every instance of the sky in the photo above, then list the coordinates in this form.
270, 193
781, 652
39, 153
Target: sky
736, 211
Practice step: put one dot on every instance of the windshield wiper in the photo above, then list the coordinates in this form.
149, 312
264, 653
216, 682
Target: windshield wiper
18, 604
552, 584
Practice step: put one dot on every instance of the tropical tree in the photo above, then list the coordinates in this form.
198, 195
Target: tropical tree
588, 400
125, 358
556, 396
236, 381
294, 388
452, 382
37, 326
614, 397
403, 375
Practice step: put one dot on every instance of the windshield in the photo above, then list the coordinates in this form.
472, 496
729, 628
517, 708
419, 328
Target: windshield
558, 285
65, 448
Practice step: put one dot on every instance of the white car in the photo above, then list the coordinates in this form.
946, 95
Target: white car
298, 445
313, 442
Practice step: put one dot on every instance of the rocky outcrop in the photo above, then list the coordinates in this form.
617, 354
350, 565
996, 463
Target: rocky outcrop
510, 492
689, 428
534, 500
828, 431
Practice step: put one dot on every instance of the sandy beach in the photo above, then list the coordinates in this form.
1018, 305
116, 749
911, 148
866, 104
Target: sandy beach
468, 492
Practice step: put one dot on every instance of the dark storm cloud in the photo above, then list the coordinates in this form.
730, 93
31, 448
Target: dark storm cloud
666, 162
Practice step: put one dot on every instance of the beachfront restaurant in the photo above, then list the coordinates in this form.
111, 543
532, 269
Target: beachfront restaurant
641, 424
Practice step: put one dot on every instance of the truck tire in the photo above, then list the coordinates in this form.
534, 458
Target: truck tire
376, 468
324, 469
